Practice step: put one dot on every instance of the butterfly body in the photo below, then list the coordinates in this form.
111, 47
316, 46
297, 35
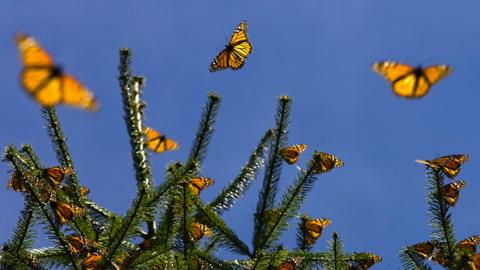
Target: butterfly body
408, 81
236, 51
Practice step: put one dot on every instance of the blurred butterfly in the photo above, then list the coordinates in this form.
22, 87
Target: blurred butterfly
312, 228
425, 249
46, 82
70, 191
363, 261
288, 264
55, 175
17, 183
92, 262
64, 212
451, 192
291, 153
198, 184
77, 243
450, 165
198, 231
323, 162
408, 81
470, 243
235, 52
159, 143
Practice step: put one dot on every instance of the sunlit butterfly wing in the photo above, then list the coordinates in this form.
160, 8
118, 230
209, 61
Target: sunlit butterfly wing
363, 261
450, 165
425, 249
64, 212
55, 175
92, 262
410, 82
312, 228
198, 231
158, 143
291, 153
470, 243
198, 184
78, 243
324, 162
46, 82
451, 192
236, 51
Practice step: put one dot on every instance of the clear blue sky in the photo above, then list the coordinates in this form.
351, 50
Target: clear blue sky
319, 52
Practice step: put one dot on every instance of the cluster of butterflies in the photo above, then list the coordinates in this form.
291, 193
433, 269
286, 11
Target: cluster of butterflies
63, 211
450, 166
432, 250
49, 85
322, 162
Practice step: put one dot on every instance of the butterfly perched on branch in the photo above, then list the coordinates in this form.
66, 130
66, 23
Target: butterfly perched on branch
46, 82
312, 228
291, 153
450, 165
408, 81
235, 52
324, 162
198, 184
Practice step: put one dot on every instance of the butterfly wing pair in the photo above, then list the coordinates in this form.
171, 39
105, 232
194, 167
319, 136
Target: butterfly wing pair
408, 81
363, 261
312, 228
198, 184
451, 192
291, 153
64, 212
157, 142
324, 162
236, 51
450, 165
198, 231
46, 82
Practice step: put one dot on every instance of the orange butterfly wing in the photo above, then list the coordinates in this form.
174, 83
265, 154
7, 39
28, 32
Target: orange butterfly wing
46, 82
291, 153
236, 51
158, 143
198, 184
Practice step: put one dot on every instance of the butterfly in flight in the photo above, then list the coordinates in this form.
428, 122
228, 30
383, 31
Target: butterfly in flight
450, 165
158, 143
408, 81
46, 82
235, 52
291, 153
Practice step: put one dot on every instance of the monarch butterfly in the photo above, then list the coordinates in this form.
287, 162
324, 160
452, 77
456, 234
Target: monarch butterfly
235, 52
288, 264
425, 249
77, 243
92, 262
408, 81
323, 162
451, 192
291, 153
312, 228
363, 261
17, 183
55, 175
159, 143
64, 212
450, 165
198, 184
197, 231
69, 190
470, 243
46, 82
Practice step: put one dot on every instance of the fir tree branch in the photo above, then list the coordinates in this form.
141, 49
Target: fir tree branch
214, 262
272, 172
83, 224
12, 155
336, 256
412, 261
24, 234
245, 178
440, 219
204, 131
21, 258
223, 233
289, 205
